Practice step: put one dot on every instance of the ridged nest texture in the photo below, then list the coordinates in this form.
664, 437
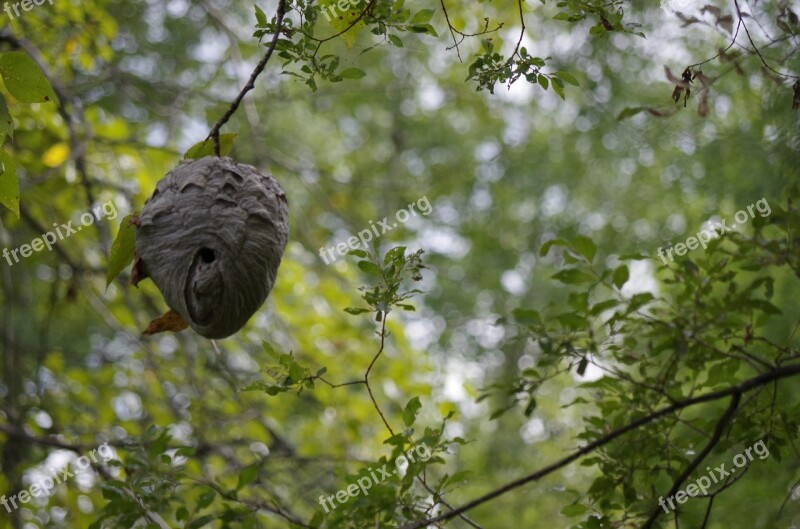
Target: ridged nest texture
211, 237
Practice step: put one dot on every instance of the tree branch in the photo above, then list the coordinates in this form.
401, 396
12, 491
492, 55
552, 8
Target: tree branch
722, 424
743, 387
251, 83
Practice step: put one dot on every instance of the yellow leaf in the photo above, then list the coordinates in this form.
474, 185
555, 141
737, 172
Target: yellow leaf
341, 19
56, 155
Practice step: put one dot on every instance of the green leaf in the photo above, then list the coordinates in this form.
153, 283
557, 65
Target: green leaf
549, 244
621, 276
270, 349
639, 300
369, 267
570, 320
567, 77
597, 30
585, 246
597, 308
352, 73
6, 123
206, 147
543, 82
396, 253
205, 499
355, 311
576, 509
358, 253
159, 445
24, 79
584, 363
317, 519
526, 316
558, 86
424, 28
394, 39
247, 476
261, 17
499, 413
573, 275
531, 406
630, 112
203, 520
411, 410
122, 250
422, 16
9, 184
341, 19
765, 306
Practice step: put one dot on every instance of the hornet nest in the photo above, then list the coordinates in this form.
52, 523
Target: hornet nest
211, 238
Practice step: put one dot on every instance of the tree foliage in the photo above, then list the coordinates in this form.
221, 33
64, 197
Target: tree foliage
521, 357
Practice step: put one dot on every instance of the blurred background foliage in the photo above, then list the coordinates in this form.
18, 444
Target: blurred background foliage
505, 172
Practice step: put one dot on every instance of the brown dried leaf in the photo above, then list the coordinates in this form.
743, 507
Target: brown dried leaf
687, 21
702, 105
683, 83
726, 22
139, 270
662, 113
170, 321
704, 79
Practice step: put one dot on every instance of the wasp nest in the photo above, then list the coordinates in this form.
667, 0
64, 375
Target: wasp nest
211, 237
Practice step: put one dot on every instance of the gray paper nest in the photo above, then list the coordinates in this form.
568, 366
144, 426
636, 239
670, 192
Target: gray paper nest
211, 237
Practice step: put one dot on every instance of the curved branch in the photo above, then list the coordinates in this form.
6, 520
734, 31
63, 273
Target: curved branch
251, 83
743, 387
723, 423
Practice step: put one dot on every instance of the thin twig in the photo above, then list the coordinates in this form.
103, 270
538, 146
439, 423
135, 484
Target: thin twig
735, 35
251, 83
366, 376
452, 30
522, 31
758, 52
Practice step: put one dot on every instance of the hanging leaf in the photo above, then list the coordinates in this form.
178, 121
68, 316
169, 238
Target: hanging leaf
122, 250
206, 147
6, 123
411, 410
340, 19
170, 321
9, 184
24, 79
